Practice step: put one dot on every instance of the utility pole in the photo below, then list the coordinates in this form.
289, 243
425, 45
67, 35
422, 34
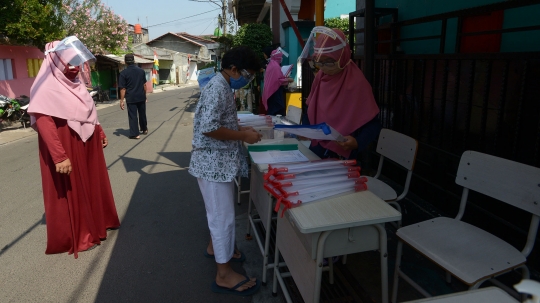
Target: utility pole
223, 6
224, 15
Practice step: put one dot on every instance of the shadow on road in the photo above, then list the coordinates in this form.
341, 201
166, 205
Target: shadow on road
158, 255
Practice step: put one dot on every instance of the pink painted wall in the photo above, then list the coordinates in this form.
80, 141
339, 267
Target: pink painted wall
21, 83
148, 67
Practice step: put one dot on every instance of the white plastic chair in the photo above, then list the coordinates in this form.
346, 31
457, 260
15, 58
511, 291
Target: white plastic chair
467, 252
402, 150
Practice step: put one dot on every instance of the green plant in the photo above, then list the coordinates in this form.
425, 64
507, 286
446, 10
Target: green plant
337, 22
96, 25
33, 22
253, 35
209, 64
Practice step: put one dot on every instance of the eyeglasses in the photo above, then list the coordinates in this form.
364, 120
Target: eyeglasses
326, 64
247, 75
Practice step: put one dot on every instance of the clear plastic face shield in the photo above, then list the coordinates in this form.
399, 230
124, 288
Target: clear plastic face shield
322, 42
72, 53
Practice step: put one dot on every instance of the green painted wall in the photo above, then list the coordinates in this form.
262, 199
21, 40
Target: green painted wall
410, 9
103, 78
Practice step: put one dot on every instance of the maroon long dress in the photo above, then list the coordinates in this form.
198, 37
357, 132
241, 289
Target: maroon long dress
79, 207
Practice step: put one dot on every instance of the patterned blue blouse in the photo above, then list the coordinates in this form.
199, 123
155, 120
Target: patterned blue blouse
212, 159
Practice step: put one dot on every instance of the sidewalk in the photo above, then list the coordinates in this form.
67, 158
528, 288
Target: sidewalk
11, 131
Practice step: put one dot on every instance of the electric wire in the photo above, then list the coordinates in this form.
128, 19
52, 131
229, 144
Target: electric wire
183, 18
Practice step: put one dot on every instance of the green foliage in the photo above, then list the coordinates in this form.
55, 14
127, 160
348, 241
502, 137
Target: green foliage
209, 64
34, 22
96, 25
337, 22
254, 35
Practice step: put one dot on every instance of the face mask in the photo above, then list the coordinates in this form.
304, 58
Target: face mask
238, 83
72, 72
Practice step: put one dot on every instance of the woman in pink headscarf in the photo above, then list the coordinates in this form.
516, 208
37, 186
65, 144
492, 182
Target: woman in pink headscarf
274, 86
342, 97
79, 205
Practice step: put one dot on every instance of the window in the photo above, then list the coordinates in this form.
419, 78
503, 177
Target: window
32, 66
6, 69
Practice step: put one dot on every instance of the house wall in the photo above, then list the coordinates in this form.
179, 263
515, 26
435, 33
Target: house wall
410, 9
21, 83
174, 43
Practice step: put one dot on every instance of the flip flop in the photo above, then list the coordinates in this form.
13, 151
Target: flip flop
241, 259
134, 137
233, 290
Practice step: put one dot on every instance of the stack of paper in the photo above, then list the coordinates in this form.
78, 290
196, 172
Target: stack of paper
254, 120
295, 184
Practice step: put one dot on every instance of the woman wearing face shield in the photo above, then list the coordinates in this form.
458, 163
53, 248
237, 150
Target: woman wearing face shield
274, 86
79, 204
340, 96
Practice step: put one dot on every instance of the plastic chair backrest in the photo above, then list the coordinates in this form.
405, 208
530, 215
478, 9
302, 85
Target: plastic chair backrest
294, 114
511, 182
398, 148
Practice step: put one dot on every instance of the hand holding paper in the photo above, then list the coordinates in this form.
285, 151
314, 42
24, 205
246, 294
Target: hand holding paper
286, 70
321, 131
349, 144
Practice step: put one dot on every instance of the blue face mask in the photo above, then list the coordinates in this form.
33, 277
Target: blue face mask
238, 83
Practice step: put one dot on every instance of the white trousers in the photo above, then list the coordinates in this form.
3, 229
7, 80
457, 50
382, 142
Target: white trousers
219, 202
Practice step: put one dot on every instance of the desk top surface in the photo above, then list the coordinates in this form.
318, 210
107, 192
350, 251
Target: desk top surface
351, 210
301, 147
483, 295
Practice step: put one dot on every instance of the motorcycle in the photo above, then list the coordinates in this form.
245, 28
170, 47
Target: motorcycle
24, 117
9, 108
97, 94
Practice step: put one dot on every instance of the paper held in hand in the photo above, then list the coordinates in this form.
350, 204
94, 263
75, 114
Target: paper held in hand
321, 131
286, 70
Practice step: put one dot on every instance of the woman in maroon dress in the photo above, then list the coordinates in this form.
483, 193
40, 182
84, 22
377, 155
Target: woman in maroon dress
79, 204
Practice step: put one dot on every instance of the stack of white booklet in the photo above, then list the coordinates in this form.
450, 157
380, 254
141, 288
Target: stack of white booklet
295, 184
254, 120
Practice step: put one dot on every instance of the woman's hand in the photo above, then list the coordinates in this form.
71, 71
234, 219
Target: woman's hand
244, 128
251, 136
64, 167
349, 143
104, 142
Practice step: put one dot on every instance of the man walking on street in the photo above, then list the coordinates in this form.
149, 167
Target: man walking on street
132, 86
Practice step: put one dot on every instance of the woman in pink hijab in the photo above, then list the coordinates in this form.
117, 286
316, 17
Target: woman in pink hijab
79, 204
274, 82
342, 97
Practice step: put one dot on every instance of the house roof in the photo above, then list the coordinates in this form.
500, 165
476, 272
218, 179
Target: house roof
195, 38
179, 36
120, 60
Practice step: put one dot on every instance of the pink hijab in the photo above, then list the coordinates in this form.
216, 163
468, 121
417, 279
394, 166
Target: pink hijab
344, 101
273, 77
55, 95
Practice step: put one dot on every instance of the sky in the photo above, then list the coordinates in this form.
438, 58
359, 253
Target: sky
196, 18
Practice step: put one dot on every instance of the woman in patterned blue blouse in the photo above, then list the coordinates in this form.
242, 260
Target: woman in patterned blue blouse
217, 158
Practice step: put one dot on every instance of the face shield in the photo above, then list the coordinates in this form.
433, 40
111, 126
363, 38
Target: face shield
322, 41
72, 52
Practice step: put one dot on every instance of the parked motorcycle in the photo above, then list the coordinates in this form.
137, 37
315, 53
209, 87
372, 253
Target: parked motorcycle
15, 109
98, 95
24, 118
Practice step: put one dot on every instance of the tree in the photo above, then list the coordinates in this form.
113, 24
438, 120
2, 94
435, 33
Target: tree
254, 35
337, 22
33, 22
96, 25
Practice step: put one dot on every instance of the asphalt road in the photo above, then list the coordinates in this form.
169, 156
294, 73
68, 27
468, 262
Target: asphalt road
156, 255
